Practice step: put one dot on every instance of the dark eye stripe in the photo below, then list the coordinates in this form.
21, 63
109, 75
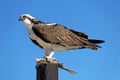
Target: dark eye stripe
24, 16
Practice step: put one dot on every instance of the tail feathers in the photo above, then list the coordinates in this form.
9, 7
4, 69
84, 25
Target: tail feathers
95, 41
98, 46
93, 46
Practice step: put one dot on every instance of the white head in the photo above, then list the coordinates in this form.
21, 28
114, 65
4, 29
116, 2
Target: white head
26, 19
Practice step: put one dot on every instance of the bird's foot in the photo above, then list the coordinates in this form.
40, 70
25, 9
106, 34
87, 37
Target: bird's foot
45, 58
49, 58
38, 60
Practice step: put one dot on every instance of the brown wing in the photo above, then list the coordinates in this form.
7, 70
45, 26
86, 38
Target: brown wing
57, 34
81, 34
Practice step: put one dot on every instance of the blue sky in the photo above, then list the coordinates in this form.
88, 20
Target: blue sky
100, 19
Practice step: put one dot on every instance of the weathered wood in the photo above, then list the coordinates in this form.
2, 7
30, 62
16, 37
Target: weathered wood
47, 70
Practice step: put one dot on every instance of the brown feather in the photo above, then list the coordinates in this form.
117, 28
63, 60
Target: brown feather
57, 34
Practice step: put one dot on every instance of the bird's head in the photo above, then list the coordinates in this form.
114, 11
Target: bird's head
26, 19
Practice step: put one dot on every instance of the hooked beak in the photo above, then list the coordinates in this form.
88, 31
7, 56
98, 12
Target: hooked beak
20, 18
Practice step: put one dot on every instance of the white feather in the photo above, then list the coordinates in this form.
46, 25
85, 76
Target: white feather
28, 16
51, 24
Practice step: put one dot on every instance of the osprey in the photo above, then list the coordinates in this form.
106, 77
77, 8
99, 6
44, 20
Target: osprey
54, 37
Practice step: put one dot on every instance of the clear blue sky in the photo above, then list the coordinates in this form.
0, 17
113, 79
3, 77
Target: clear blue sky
100, 19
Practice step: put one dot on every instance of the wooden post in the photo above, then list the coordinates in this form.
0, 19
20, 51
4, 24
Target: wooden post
46, 70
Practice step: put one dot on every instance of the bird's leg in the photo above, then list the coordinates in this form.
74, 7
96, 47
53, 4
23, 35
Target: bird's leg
51, 54
47, 52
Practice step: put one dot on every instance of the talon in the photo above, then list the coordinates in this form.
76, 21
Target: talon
38, 60
49, 58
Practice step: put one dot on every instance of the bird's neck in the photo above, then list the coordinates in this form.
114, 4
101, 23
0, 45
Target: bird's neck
28, 24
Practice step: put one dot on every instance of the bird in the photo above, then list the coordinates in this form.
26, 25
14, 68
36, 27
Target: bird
52, 37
